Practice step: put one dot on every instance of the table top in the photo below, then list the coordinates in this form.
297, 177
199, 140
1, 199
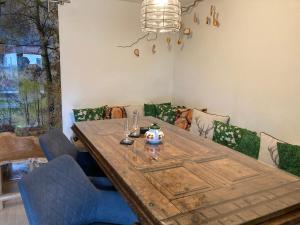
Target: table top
188, 180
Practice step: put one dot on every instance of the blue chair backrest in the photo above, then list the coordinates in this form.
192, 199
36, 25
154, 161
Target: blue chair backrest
58, 193
54, 144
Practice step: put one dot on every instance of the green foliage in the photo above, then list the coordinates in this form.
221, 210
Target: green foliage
27, 87
31, 100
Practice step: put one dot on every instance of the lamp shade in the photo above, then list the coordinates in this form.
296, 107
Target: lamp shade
161, 16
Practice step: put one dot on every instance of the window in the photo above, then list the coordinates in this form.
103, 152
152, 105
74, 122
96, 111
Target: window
29, 68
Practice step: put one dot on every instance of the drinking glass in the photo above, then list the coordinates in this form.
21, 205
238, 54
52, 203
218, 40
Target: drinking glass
135, 126
126, 130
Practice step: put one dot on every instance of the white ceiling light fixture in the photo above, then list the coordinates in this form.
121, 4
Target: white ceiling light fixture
161, 16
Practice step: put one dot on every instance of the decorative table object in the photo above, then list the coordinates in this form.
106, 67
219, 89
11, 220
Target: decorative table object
154, 136
143, 130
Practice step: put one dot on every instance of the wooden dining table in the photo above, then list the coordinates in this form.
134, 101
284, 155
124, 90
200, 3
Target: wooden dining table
189, 180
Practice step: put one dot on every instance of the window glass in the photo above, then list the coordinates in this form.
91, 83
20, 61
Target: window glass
30, 95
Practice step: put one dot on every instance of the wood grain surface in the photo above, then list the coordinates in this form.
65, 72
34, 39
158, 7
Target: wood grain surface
189, 180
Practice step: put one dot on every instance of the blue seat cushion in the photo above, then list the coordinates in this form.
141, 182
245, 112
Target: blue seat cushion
89, 165
102, 224
102, 183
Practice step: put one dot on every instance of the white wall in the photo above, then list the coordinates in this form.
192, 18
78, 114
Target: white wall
95, 72
249, 68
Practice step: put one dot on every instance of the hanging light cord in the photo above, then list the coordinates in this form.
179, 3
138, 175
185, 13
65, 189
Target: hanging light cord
186, 9
139, 39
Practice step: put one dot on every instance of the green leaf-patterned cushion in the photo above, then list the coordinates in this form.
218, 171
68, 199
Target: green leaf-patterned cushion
289, 158
89, 114
227, 135
249, 144
242, 140
166, 113
150, 109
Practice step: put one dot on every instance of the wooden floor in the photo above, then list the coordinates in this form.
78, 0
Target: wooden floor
13, 213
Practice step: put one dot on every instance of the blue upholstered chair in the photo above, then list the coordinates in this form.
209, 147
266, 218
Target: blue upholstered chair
59, 193
54, 144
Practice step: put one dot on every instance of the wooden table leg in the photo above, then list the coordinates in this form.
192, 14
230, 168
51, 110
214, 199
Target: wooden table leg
1, 203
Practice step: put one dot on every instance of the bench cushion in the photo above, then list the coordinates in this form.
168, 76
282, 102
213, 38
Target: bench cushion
289, 158
203, 123
249, 144
89, 114
184, 118
268, 152
166, 113
239, 139
150, 109
115, 112
227, 135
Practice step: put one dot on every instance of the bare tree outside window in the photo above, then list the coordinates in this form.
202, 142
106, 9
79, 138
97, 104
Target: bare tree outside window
30, 92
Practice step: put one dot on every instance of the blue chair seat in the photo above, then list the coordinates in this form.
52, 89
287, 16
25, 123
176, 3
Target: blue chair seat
102, 183
89, 165
100, 224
